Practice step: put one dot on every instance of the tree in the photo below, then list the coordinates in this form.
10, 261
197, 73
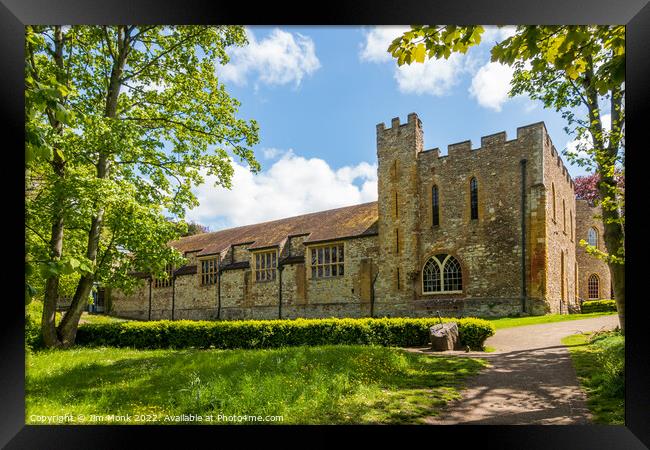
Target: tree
586, 187
195, 228
140, 119
576, 70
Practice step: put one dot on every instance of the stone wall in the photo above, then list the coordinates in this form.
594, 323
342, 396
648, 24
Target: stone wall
488, 249
302, 296
131, 305
588, 217
243, 298
560, 231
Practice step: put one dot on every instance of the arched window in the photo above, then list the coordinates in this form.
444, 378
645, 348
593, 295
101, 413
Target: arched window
564, 215
571, 224
473, 197
431, 276
553, 194
592, 237
593, 286
442, 273
452, 276
435, 206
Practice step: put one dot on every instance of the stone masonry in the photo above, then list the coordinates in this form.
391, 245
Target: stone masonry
588, 217
520, 255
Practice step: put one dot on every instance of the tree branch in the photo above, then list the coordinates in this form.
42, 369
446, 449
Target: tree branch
128, 76
108, 43
47, 241
141, 31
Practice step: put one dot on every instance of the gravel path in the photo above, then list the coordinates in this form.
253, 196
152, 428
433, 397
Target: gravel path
530, 381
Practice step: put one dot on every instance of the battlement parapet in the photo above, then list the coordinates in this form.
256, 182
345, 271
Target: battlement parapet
433, 152
459, 147
494, 139
527, 129
491, 143
412, 120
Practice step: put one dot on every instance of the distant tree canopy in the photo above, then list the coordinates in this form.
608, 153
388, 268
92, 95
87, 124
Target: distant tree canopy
195, 228
586, 187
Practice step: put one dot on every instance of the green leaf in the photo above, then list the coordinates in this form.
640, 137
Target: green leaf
74, 263
420, 52
63, 115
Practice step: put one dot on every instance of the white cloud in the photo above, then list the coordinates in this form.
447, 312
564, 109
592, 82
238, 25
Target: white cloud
491, 84
434, 77
531, 106
293, 185
271, 153
377, 41
280, 58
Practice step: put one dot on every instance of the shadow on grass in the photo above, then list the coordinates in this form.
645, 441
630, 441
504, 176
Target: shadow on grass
330, 384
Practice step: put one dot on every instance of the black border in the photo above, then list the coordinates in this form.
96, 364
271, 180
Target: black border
14, 14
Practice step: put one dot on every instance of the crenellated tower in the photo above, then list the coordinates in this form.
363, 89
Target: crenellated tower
398, 148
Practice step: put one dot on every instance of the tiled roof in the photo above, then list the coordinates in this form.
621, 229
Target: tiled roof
346, 222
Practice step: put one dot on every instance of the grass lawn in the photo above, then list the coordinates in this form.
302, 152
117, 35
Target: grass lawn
304, 385
509, 322
599, 361
99, 318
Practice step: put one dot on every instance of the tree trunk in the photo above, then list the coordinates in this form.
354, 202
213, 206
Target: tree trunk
51, 294
67, 330
606, 157
618, 279
614, 241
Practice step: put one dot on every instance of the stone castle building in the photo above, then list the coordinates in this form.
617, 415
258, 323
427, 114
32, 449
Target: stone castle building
483, 232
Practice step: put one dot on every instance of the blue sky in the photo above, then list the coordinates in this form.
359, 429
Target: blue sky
318, 93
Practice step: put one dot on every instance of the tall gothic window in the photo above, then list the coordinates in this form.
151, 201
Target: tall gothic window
593, 287
442, 273
564, 215
435, 206
473, 194
592, 237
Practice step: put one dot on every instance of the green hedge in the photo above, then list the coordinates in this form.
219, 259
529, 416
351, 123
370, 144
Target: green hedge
400, 332
598, 306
